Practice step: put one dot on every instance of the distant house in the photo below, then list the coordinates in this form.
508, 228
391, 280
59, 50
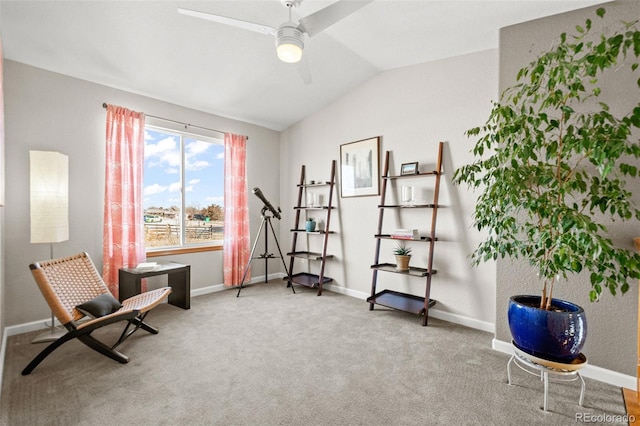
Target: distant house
170, 213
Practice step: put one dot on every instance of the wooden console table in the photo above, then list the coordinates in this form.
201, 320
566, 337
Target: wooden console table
179, 276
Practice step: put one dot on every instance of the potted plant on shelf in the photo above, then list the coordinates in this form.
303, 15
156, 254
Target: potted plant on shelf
403, 256
553, 163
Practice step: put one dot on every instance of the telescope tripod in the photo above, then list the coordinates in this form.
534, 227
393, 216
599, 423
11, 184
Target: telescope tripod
266, 219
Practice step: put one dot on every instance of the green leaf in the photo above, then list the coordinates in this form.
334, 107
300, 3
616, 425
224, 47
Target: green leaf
552, 162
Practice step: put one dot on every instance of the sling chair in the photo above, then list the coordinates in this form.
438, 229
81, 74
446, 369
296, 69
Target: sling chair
73, 288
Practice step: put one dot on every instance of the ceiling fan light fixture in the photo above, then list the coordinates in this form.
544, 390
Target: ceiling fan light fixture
289, 43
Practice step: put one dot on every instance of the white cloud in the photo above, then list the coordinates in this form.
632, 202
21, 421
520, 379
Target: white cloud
197, 147
154, 189
192, 152
174, 187
164, 153
197, 165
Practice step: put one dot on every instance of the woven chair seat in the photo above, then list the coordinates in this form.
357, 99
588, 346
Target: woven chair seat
142, 302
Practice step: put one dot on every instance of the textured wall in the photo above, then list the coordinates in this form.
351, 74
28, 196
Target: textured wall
412, 109
611, 341
50, 111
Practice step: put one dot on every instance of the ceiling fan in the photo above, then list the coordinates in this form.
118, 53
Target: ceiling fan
290, 36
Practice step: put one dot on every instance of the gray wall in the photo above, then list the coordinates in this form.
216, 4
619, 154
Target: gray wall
412, 109
612, 322
49, 111
2, 182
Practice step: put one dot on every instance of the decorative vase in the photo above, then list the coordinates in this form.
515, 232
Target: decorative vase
310, 225
556, 335
402, 262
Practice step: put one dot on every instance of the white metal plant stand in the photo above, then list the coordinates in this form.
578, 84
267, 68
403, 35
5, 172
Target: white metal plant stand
543, 368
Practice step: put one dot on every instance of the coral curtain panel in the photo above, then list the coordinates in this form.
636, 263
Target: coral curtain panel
236, 210
123, 232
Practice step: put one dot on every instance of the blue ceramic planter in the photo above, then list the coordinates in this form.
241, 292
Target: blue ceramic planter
553, 335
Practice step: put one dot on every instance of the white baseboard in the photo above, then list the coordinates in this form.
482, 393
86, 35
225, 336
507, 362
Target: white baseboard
208, 290
27, 327
346, 291
593, 372
434, 312
477, 324
219, 287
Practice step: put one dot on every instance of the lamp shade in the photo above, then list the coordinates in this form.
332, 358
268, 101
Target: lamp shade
49, 186
289, 43
289, 53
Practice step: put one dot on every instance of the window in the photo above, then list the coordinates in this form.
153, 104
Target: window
183, 189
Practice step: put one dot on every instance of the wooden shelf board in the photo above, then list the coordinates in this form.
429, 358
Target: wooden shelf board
407, 206
310, 255
421, 174
312, 232
390, 237
312, 185
313, 208
308, 280
414, 271
400, 301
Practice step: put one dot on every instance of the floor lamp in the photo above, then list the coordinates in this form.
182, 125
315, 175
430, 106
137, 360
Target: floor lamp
49, 201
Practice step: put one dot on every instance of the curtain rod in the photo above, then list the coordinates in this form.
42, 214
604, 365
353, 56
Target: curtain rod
104, 105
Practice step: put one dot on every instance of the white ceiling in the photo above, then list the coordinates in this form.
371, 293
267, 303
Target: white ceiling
146, 47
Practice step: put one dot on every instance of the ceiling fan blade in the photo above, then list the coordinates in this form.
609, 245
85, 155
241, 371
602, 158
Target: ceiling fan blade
305, 71
245, 25
328, 16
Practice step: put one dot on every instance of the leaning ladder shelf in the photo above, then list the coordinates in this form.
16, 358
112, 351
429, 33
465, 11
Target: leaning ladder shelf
302, 210
394, 299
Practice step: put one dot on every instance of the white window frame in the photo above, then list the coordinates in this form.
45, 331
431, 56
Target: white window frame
180, 130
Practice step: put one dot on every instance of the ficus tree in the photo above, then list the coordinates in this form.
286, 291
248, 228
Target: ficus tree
553, 163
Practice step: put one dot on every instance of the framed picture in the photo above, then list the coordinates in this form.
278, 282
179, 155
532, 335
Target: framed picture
409, 168
360, 168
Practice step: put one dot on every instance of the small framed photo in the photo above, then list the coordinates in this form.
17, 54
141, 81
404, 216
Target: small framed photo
409, 168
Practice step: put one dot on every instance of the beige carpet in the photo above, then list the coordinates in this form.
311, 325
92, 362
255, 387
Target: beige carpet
271, 357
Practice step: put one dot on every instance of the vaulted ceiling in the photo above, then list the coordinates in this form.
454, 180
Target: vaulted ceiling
146, 47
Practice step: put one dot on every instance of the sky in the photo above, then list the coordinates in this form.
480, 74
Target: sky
204, 170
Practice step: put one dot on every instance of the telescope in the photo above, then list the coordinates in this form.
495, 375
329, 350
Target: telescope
267, 204
266, 255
